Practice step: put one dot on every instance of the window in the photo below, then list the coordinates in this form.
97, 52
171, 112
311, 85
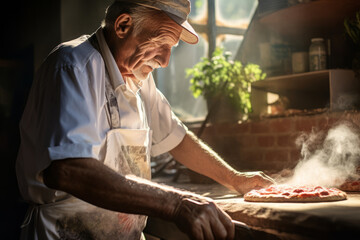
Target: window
230, 20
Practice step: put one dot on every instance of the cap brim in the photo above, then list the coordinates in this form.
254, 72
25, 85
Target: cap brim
188, 33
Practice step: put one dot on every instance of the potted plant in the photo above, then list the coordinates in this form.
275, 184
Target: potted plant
225, 84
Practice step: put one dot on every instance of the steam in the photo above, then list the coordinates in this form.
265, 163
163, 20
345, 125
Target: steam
328, 160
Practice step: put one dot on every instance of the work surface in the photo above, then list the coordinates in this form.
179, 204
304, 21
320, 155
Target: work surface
324, 220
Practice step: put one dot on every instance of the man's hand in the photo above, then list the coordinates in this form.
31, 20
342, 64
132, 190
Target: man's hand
200, 218
245, 181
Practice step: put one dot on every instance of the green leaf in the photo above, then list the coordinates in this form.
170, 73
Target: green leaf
221, 76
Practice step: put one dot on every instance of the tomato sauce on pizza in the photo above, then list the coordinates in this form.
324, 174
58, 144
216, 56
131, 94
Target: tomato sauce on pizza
288, 193
350, 186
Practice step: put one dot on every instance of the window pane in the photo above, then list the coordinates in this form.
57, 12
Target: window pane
173, 83
230, 43
234, 12
198, 9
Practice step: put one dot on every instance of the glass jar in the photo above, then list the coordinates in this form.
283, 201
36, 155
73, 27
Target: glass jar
317, 54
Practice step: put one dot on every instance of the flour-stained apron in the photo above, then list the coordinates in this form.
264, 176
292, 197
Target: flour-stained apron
126, 151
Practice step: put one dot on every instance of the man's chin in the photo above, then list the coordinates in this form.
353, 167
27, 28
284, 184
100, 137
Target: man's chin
141, 76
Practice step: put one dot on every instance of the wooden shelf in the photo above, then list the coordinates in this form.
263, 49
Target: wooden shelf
302, 82
334, 88
317, 18
294, 27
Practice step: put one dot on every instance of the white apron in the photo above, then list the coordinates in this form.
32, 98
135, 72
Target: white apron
126, 151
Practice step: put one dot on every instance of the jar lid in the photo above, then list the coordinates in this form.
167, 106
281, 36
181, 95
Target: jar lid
317, 39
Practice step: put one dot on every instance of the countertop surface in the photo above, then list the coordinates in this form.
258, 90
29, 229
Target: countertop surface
323, 220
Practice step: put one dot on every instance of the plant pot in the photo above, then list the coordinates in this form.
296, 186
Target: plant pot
222, 111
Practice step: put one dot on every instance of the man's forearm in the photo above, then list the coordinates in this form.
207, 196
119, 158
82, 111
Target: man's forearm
93, 182
199, 157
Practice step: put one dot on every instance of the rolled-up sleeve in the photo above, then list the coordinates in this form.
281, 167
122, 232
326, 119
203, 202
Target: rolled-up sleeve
168, 130
76, 116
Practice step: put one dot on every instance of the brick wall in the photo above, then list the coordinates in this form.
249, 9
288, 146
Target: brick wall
270, 144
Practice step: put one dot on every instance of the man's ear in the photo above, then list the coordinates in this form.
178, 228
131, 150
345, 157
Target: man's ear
123, 24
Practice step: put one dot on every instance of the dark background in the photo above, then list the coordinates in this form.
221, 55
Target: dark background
29, 31
16, 74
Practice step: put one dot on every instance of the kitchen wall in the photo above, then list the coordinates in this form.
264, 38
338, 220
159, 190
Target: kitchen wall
62, 20
81, 17
270, 144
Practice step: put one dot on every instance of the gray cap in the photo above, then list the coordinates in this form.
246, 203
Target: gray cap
177, 10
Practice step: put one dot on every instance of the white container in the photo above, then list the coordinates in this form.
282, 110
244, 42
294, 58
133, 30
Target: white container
317, 54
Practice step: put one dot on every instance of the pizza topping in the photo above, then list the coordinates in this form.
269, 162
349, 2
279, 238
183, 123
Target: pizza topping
298, 190
324, 193
304, 195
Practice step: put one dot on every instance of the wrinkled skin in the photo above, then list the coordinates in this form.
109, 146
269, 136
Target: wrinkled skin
201, 219
247, 181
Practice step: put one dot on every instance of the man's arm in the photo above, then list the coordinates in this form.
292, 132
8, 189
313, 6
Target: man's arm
93, 182
199, 157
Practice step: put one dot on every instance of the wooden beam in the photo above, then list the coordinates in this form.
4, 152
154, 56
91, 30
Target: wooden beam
211, 27
219, 29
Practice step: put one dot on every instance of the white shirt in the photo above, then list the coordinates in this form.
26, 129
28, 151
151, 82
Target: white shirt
66, 114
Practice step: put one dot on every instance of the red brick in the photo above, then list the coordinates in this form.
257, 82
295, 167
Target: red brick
333, 120
272, 166
243, 127
277, 155
295, 155
232, 129
266, 141
229, 145
251, 156
287, 140
281, 125
353, 118
305, 124
246, 141
323, 122
260, 127
356, 118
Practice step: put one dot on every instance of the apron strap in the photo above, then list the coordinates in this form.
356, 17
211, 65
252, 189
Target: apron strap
29, 215
112, 105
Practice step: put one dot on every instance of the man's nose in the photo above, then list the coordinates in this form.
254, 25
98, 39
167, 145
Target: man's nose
164, 57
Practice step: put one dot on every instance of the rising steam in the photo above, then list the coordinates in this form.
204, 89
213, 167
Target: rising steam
332, 161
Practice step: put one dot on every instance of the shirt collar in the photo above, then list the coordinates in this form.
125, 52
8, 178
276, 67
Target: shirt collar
116, 78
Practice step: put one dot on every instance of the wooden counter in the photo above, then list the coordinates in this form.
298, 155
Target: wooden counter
325, 220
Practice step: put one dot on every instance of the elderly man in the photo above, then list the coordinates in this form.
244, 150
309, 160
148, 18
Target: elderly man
93, 119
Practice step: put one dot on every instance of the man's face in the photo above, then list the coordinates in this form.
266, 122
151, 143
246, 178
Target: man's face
152, 47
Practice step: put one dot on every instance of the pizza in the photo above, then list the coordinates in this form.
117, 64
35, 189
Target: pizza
289, 193
350, 186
